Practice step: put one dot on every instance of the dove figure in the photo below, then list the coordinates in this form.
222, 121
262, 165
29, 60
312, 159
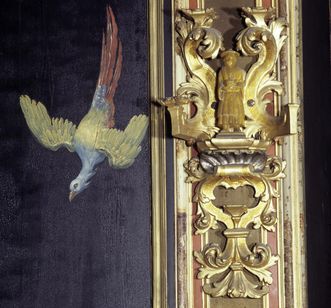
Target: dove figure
94, 139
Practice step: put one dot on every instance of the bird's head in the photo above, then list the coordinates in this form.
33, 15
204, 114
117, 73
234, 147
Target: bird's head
77, 186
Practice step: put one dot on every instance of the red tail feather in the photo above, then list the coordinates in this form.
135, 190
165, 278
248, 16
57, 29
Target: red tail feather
111, 62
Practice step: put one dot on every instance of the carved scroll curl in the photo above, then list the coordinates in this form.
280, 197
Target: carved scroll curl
196, 43
264, 37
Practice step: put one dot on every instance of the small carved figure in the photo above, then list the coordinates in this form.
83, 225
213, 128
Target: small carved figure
230, 112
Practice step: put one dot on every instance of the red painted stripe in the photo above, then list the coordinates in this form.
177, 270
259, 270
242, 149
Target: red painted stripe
193, 4
266, 3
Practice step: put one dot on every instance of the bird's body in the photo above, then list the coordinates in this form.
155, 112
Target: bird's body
94, 139
85, 138
90, 126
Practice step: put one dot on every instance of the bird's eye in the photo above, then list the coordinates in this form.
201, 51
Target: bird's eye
75, 185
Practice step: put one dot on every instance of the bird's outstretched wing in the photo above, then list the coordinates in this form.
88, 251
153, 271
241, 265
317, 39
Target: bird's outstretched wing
52, 133
122, 147
110, 69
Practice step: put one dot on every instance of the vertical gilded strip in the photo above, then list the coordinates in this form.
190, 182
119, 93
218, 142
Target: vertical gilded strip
293, 152
159, 226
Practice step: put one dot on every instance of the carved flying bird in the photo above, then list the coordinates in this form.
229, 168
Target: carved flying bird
94, 139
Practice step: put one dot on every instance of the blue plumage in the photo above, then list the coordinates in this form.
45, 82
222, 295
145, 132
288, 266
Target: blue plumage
90, 159
95, 138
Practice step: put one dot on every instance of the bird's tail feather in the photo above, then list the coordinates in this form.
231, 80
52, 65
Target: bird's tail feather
111, 63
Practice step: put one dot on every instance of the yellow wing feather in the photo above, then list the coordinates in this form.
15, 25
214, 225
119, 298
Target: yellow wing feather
50, 132
122, 147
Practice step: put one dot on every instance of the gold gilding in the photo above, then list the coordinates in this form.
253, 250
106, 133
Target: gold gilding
263, 39
232, 129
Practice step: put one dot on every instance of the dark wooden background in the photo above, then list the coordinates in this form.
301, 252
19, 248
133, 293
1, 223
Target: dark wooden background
317, 121
95, 251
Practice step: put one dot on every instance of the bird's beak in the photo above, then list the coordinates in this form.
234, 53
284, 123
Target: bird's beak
72, 195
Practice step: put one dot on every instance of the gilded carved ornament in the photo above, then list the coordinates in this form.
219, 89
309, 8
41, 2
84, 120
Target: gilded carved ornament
232, 130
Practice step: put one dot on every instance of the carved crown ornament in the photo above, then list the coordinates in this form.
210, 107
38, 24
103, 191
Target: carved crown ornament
224, 113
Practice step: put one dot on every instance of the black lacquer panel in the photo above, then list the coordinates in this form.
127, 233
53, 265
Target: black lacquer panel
95, 251
316, 69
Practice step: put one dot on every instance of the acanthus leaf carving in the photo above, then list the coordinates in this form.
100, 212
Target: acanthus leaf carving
264, 37
232, 138
197, 42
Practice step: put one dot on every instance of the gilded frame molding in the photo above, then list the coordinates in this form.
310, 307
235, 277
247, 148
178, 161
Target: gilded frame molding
158, 154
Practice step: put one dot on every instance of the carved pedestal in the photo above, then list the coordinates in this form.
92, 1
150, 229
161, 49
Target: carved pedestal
236, 270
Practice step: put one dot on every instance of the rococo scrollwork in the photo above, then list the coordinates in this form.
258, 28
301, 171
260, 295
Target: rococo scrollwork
225, 114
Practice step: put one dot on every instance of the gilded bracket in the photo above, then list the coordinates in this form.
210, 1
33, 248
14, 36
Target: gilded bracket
225, 115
